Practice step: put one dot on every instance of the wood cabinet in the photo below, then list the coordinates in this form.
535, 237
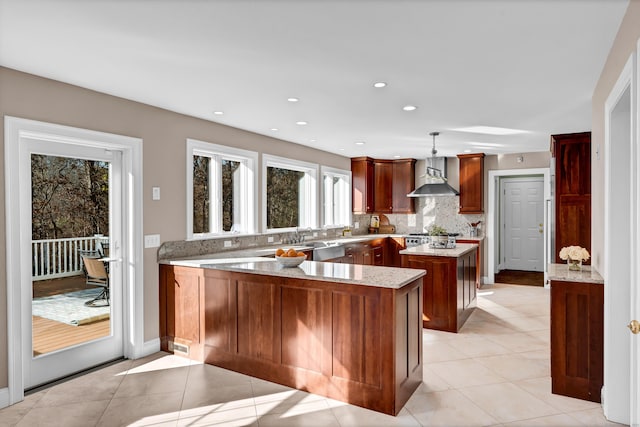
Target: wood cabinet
572, 190
404, 172
362, 185
449, 289
471, 183
577, 334
382, 185
392, 252
358, 344
478, 258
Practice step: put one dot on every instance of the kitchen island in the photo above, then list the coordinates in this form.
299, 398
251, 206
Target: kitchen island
348, 332
450, 285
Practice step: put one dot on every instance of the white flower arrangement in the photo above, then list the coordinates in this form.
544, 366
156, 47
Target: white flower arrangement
574, 253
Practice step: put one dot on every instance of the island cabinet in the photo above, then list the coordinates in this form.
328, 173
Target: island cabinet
355, 343
449, 286
471, 183
577, 332
478, 242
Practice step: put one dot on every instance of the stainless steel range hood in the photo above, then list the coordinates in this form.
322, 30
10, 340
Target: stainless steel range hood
436, 175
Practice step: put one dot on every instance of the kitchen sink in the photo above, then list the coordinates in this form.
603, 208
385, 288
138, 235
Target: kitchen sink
323, 251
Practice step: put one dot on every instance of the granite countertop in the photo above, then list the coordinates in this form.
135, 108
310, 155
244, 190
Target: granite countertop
352, 274
459, 250
562, 273
469, 238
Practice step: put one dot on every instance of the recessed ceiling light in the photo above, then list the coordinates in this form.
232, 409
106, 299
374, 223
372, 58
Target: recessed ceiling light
301, 123
409, 108
360, 142
341, 149
312, 140
379, 84
467, 151
292, 99
490, 130
218, 113
274, 129
396, 157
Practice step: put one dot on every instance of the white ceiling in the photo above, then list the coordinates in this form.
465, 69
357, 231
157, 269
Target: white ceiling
524, 64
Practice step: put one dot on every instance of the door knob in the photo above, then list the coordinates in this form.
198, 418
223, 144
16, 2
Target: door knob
634, 327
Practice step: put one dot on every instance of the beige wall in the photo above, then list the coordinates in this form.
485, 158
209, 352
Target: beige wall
164, 149
624, 44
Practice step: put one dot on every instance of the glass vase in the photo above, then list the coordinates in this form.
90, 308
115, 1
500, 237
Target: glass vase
574, 264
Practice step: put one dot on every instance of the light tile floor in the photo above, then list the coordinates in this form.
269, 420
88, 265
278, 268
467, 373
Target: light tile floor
494, 372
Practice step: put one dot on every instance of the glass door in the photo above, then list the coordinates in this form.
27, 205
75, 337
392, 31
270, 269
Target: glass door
72, 304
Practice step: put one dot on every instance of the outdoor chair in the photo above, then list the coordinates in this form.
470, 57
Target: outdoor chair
97, 275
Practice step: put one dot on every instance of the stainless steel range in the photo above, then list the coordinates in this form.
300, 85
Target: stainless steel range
436, 242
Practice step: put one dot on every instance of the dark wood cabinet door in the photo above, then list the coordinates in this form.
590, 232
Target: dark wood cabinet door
471, 183
362, 185
572, 153
577, 317
383, 186
404, 172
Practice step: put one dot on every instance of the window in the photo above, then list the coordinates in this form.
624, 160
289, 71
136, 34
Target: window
336, 197
220, 190
290, 192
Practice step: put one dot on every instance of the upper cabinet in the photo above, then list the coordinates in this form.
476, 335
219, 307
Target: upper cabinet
471, 183
404, 182
362, 184
382, 186
572, 156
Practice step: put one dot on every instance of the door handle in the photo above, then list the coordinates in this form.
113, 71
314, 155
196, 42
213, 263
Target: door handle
634, 327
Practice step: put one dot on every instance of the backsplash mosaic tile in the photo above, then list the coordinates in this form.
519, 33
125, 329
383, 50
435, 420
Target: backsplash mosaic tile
442, 210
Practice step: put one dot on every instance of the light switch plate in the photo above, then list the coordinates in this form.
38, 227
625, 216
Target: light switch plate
270, 239
152, 241
156, 193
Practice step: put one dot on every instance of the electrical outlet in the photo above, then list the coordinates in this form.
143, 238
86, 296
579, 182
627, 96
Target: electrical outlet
356, 225
227, 243
315, 234
151, 240
270, 239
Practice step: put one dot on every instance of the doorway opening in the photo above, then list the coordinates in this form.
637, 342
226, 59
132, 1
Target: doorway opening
536, 208
63, 155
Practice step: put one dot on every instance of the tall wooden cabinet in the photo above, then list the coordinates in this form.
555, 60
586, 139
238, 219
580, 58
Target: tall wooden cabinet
381, 186
572, 190
471, 183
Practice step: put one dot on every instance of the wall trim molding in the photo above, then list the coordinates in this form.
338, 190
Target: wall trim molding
150, 347
4, 397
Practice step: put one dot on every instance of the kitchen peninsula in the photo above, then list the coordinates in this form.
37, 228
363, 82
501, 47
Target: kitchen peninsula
348, 332
450, 285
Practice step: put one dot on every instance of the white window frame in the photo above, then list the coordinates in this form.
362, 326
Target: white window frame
246, 188
328, 191
308, 199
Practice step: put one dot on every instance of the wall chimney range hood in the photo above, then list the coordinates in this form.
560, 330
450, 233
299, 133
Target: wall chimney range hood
436, 178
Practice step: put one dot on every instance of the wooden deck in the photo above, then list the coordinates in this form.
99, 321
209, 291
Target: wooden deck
49, 335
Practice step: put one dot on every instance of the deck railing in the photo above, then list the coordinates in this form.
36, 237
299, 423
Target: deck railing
53, 258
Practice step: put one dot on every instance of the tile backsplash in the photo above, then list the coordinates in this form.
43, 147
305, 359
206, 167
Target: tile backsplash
442, 210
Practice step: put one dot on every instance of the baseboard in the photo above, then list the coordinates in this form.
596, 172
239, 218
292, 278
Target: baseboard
4, 397
150, 347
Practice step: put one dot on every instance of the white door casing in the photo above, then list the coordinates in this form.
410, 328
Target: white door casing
17, 131
494, 209
522, 231
621, 246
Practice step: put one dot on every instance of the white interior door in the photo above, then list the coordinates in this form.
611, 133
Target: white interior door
523, 223
43, 363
